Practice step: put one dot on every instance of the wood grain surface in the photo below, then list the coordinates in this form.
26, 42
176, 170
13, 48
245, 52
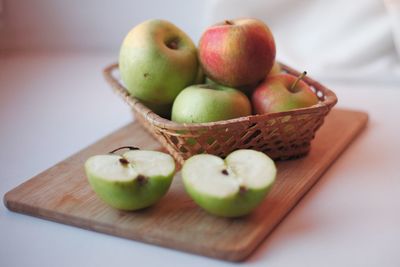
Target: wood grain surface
62, 194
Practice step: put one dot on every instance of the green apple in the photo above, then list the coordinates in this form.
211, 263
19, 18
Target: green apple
157, 60
135, 180
283, 92
232, 187
209, 102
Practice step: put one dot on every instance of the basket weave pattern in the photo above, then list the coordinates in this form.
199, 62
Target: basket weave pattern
280, 135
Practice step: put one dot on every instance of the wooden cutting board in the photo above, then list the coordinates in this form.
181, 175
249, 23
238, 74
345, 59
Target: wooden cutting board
62, 194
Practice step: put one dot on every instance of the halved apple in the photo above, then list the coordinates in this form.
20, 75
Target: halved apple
134, 180
232, 187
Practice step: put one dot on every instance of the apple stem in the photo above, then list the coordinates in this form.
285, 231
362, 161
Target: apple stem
228, 22
301, 76
124, 147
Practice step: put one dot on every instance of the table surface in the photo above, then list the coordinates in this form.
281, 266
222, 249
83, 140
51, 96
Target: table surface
54, 104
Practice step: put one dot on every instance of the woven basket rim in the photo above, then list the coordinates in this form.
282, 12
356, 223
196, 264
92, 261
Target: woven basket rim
329, 101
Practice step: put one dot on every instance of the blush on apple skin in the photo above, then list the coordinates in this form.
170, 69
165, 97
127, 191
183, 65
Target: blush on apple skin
238, 53
275, 95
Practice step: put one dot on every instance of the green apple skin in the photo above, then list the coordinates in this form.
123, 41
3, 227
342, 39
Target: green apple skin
157, 60
208, 103
236, 205
130, 195
273, 95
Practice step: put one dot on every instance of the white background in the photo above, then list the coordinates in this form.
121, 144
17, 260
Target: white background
54, 102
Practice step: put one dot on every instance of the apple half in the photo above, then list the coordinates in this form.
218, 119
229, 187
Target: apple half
232, 187
134, 180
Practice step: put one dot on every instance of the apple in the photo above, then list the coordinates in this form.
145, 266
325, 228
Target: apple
208, 103
232, 187
135, 180
237, 53
282, 92
157, 60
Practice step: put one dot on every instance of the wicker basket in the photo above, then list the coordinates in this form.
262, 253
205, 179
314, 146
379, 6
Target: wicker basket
280, 135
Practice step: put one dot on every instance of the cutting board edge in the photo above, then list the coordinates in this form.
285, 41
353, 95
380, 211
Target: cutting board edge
41, 213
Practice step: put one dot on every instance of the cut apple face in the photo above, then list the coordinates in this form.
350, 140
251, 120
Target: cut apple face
135, 180
231, 187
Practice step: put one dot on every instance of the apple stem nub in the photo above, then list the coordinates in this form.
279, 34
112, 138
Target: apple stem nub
124, 147
173, 44
242, 190
141, 179
301, 76
228, 22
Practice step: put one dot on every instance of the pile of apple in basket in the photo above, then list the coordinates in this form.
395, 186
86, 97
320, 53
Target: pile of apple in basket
231, 74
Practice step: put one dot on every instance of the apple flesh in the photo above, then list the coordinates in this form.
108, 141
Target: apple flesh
157, 60
237, 53
282, 92
208, 103
232, 187
133, 181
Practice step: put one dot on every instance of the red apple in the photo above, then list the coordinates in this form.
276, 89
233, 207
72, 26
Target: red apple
282, 92
237, 53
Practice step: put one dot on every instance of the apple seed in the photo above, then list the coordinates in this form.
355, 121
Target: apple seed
225, 172
124, 161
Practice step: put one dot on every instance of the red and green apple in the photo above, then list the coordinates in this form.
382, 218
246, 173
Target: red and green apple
237, 53
282, 92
